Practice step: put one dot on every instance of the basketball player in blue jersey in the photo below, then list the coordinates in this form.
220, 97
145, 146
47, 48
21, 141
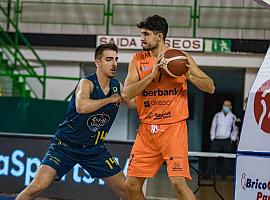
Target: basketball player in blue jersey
79, 139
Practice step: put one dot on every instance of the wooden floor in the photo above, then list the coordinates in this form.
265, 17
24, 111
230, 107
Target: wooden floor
226, 189
159, 188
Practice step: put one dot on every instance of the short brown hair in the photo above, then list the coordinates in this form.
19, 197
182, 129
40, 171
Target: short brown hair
101, 48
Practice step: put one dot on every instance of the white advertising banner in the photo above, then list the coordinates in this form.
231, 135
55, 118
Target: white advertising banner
255, 135
252, 180
134, 42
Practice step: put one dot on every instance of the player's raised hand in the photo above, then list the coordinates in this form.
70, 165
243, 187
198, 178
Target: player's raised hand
158, 64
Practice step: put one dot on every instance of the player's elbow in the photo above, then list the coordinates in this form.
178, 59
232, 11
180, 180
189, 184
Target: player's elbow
126, 96
208, 89
212, 89
80, 108
81, 105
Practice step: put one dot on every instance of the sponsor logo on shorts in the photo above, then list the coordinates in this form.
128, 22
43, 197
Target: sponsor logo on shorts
177, 167
159, 92
156, 116
95, 122
154, 128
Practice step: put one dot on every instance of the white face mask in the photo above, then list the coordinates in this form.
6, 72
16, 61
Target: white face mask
226, 109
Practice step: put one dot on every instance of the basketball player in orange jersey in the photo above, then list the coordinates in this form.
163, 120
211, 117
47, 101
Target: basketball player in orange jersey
162, 107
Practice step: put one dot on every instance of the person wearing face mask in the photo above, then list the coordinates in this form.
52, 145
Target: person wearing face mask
223, 126
223, 134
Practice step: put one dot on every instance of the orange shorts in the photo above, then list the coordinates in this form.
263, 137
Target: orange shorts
155, 144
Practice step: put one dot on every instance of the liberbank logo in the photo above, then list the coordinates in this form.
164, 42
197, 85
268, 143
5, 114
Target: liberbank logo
262, 188
262, 107
159, 92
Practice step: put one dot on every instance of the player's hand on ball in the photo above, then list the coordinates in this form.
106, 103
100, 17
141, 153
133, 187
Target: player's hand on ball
157, 65
191, 65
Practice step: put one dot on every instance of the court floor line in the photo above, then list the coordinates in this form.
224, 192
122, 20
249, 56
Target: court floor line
159, 198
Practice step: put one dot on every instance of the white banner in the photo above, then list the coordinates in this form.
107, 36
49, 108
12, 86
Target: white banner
255, 135
134, 42
252, 181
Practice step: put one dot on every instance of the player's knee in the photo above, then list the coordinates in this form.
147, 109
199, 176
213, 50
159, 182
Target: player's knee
179, 184
132, 186
122, 192
36, 189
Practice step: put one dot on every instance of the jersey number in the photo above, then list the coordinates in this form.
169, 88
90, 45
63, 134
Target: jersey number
101, 136
111, 161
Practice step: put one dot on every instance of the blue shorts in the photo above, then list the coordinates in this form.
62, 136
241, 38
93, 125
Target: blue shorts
96, 160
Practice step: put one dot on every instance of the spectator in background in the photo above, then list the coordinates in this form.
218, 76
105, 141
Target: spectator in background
223, 134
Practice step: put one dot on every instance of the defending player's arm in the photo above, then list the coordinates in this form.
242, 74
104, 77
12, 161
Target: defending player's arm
86, 105
133, 85
196, 76
129, 102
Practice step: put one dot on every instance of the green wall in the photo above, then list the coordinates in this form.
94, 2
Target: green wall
18, 115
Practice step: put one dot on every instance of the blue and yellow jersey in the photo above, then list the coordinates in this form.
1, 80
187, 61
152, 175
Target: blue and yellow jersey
91, 128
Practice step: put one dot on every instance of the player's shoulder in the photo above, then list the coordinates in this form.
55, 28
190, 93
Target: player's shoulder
89, 80
142, 55
115, 81
90, 77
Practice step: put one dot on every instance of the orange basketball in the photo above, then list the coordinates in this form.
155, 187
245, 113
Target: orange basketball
174, 63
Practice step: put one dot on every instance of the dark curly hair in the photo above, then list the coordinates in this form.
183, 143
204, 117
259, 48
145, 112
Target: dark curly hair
156, 24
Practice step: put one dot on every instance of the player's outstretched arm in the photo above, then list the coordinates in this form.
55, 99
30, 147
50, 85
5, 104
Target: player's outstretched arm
196, 76
86, 105
133, 85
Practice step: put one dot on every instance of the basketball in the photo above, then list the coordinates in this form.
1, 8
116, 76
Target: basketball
174, 63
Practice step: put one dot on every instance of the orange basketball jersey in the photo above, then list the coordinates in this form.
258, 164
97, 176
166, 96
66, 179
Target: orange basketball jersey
164, 100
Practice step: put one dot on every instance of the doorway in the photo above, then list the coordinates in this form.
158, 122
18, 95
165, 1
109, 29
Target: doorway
229, 83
